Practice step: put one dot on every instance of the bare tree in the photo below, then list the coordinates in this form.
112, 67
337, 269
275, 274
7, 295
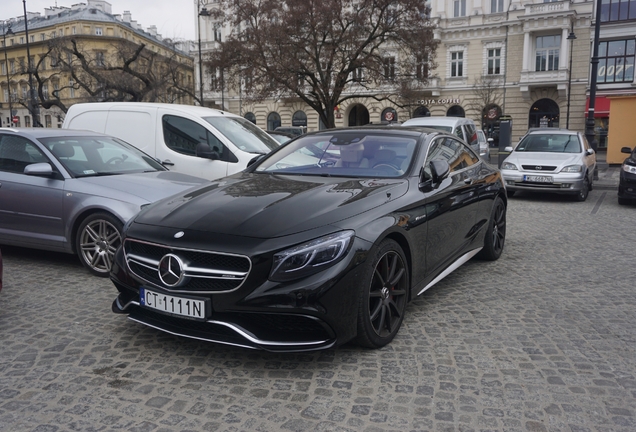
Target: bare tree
324, 52
488, 94
122, 71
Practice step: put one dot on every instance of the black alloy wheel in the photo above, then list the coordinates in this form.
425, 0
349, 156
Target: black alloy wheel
495, 237
97, 239
384, 296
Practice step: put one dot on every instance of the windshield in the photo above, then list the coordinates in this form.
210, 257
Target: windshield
343, 154
244, 134
96, 155
550, 143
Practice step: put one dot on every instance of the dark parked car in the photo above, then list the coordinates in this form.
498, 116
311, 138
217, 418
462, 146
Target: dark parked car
304, 253
0, 270
72, 191
627, 182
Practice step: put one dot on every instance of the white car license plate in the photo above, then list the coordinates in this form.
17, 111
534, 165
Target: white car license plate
187, 307
537, 179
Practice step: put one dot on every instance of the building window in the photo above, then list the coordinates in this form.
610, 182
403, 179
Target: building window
6, 95
31, 38
421, 67
71, 85
496, 6
459, 8
99, 58
42, 36
389, 68
618, 10
494, 61
73, 30
22, 65
53, 61
98, 31
47, 121
45, 92
24, 91
616, 61
358, 74
27, 121
56, 89
217, 33
547, 53
457, 64
4, 68
21, 39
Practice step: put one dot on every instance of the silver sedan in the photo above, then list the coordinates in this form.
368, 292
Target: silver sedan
550, 160
72, 191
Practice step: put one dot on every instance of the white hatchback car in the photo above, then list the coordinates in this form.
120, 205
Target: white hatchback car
550, 160
460, 126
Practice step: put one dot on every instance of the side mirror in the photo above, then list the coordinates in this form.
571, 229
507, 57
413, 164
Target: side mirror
508, 149
590, 152
43, 169
203, 150
626, 150
490, 140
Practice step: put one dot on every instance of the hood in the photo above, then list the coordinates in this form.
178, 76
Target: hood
267, 206
149, 186
560, 160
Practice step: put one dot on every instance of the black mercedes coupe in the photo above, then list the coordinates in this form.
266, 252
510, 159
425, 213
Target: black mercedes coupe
323, 241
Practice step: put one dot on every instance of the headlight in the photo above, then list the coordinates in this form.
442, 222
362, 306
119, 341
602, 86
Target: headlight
629, 168
572, 168
508, 166
311, 257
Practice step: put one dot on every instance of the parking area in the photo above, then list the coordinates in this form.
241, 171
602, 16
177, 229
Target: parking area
541, 340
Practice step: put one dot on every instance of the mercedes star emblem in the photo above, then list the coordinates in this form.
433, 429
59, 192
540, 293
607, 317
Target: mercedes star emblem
171, 270
538, 168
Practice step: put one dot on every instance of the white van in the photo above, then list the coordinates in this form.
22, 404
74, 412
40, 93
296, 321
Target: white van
460, 126
194, 140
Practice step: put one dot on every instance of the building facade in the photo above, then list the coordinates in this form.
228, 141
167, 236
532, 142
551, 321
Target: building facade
43, 60
529, 61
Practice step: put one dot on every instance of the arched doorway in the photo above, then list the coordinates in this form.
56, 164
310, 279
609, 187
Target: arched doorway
251, 117
455, 111
544, 113
358, 116
299, 119
273, 121
421, 111
389, 115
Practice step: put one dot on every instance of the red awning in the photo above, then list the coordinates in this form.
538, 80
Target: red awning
601, 106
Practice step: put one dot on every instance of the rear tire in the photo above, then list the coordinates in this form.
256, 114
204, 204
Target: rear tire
97, 239
383, 297
495, 237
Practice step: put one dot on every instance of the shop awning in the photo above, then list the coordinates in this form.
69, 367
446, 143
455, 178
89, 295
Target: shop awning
601, 106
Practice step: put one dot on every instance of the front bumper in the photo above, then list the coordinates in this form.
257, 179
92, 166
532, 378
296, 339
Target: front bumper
627, 185
562, 183
313, 313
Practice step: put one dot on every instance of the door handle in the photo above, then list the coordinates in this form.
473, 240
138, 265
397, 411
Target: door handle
167, 162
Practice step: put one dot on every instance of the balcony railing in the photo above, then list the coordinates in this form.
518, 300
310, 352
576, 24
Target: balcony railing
547, 8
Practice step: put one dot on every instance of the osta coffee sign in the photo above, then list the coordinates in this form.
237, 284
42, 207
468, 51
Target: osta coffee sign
441, 101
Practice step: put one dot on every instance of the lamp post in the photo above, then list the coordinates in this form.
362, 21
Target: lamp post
200, 13
571, 38
589, 123
7, 31
34, 108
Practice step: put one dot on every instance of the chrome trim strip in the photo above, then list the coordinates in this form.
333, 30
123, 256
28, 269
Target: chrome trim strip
452, 268
241, 332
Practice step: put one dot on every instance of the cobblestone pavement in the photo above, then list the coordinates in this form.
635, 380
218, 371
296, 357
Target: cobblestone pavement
541, 340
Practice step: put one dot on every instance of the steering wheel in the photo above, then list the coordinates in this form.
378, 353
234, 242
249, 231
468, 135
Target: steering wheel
388, 167
116, 160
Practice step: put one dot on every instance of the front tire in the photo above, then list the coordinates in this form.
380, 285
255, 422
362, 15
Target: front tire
97, 239
384, 295
495, 237
585, 190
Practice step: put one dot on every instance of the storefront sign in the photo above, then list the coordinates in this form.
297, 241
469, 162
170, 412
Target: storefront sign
438, 101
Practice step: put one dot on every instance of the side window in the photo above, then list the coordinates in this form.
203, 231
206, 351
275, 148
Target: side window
471, 135
460, 132
183, 135
17, 152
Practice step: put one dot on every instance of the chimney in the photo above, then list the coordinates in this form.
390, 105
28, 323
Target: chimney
152, 30
127, 16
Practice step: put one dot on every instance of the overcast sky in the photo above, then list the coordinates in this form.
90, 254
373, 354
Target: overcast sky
173, 18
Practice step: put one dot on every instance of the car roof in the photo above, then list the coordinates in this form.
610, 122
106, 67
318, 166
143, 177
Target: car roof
551, 131
36, 132
190, 109
383, 129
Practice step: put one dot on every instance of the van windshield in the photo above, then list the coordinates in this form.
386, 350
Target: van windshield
244, 134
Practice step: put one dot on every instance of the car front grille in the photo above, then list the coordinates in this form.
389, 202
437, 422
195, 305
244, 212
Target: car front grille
200, 271
541, 168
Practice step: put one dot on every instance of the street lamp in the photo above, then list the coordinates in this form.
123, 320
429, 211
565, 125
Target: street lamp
6, 32
33, 103
589, 122
200, 13
571, 38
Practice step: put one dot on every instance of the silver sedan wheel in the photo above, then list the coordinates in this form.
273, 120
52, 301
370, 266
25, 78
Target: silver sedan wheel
98, 239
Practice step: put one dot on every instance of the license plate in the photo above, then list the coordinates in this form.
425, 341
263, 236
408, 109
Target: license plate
537, 179
187, 307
